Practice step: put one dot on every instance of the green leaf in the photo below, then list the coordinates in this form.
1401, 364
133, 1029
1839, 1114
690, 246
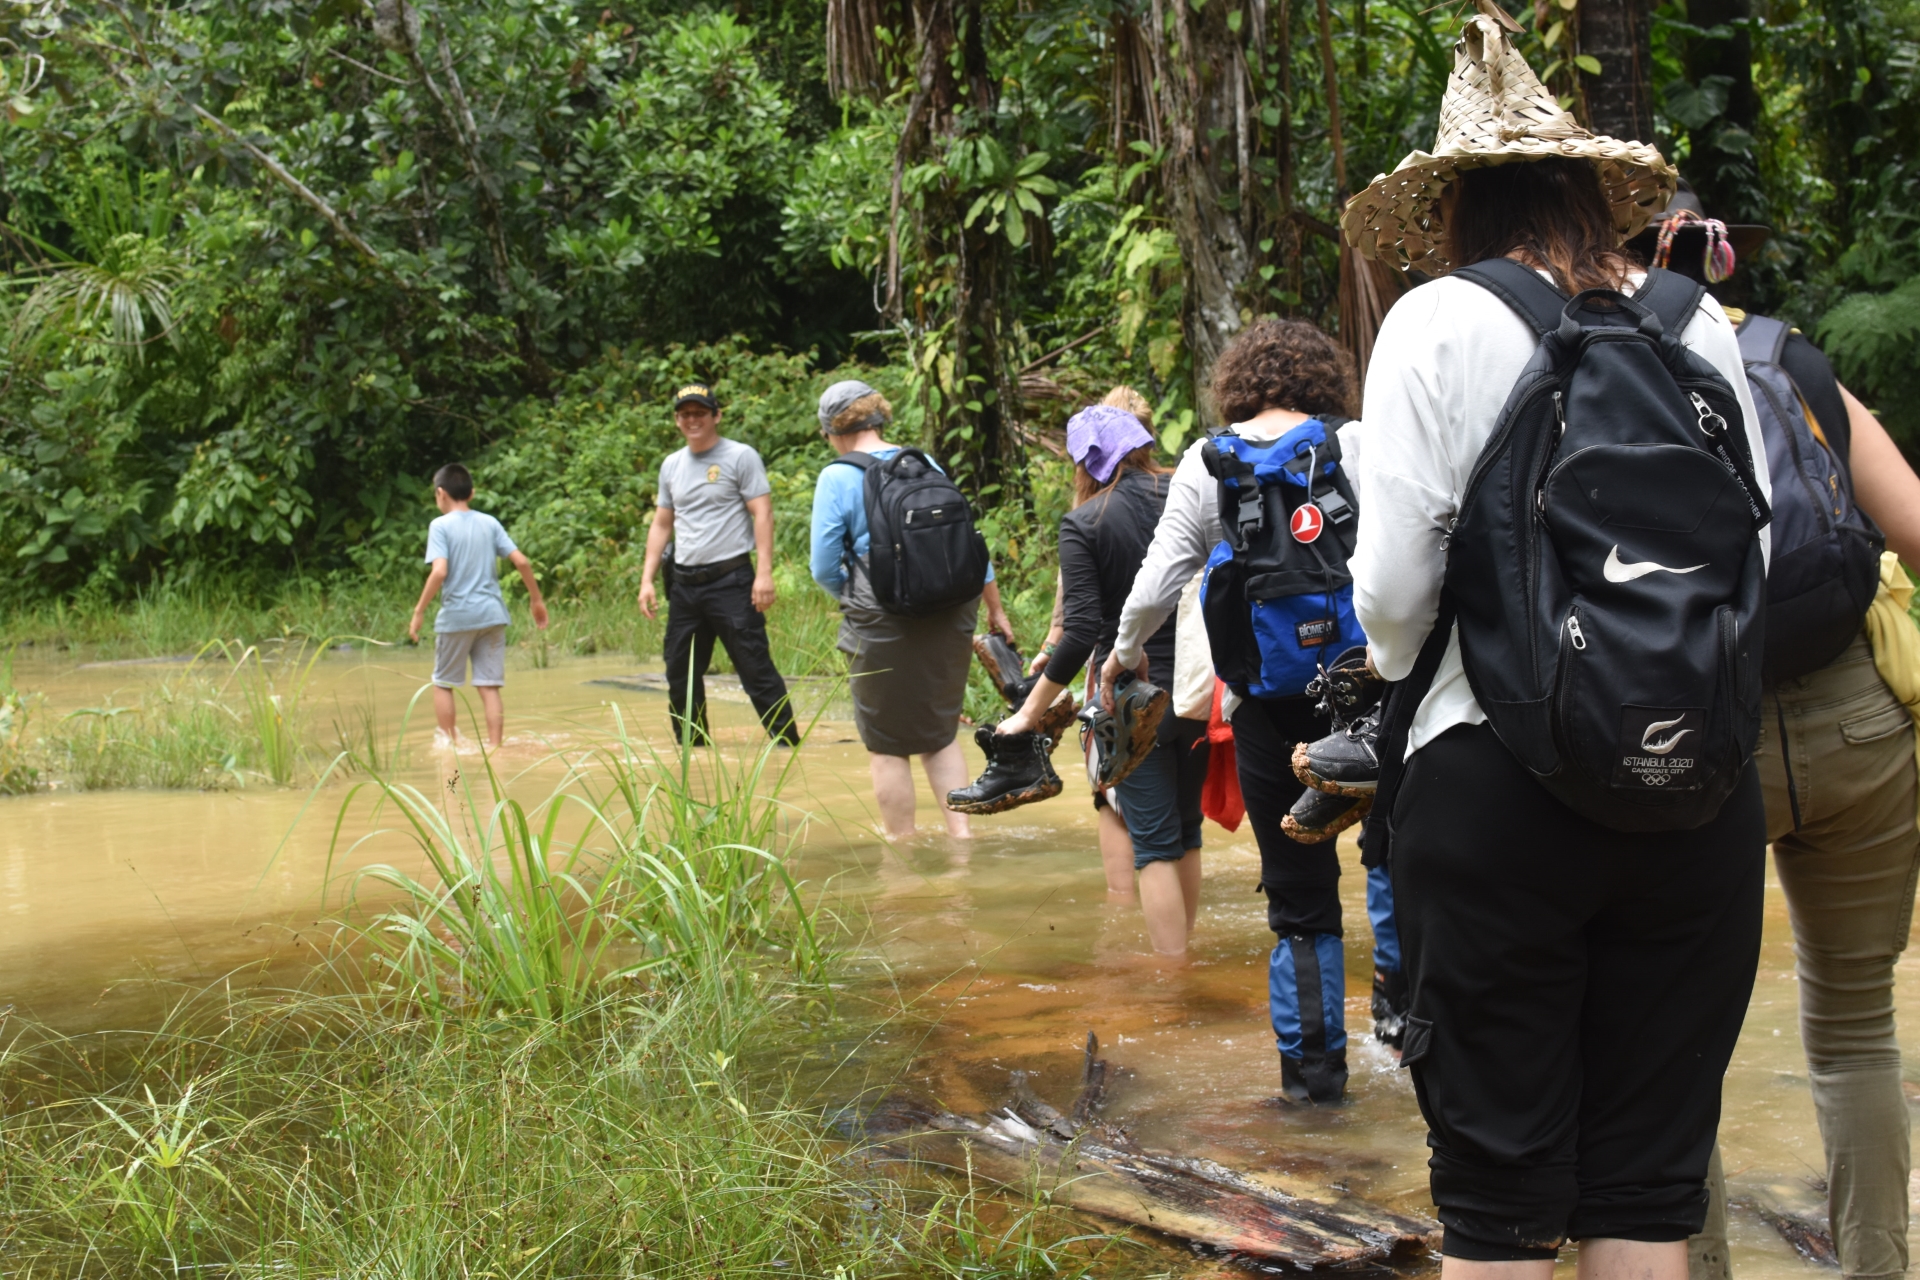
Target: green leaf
1587, 63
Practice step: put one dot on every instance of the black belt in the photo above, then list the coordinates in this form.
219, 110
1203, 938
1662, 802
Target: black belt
698, 575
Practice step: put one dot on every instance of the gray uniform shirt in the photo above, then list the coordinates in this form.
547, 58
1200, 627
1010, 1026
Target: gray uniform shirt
708, 494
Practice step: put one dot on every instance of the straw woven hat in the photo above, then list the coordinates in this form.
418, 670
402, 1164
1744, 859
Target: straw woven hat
1495, 111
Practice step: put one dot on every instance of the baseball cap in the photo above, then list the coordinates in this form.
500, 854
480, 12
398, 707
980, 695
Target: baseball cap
696, 393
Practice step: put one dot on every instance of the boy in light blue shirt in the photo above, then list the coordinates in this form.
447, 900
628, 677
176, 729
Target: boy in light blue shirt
462, 546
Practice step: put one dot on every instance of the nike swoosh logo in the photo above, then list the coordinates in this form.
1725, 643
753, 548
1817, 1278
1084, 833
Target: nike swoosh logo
1663, 746
1618, 570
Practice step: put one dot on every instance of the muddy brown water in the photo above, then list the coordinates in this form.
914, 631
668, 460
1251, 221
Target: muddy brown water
981, 957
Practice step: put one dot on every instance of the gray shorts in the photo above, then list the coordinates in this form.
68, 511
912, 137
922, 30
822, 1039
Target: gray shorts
487, 646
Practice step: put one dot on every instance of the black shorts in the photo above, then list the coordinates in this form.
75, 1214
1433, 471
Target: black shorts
1576, 995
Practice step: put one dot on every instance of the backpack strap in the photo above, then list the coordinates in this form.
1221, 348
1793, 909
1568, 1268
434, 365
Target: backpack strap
862, 461
1763, 339
1671, 296
1402, 703
1520, 287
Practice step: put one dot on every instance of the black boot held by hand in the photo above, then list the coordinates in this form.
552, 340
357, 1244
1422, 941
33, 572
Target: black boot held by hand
1019, 771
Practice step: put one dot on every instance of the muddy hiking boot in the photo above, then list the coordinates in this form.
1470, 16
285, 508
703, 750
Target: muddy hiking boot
1122, 738
1006, 668
1390, 1001
1019, 771
1318, 815
1347, 761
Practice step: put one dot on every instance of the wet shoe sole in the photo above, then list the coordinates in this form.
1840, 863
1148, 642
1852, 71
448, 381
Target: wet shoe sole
1057, 717
1319, 835
1045, 789
1303, 770
1146, 731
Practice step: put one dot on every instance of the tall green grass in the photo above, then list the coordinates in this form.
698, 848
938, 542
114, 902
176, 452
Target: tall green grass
179, 734
236, 715
634, 866
550, 1082
300, 1136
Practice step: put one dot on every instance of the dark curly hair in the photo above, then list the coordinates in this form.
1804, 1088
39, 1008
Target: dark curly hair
1282, 364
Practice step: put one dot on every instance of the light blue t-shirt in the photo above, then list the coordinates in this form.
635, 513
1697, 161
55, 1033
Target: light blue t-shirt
840, 508
470, 598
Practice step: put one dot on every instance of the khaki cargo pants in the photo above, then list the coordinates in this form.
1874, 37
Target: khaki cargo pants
1849, 875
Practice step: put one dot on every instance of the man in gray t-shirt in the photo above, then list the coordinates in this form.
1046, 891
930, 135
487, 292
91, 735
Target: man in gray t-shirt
716, 507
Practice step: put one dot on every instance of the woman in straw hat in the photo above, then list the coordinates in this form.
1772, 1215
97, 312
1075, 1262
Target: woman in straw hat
1576, 992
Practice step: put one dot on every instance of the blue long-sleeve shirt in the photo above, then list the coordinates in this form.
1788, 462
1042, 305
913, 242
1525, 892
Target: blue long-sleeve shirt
839, 509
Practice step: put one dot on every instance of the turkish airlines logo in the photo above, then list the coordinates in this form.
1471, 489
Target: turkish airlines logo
1307, 522
1654, 745
1618, 570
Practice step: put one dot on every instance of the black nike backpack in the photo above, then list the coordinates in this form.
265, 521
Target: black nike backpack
1826, 551
924, 554
1604, 565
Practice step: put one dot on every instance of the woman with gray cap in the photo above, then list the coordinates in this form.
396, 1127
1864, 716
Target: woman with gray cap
910, 673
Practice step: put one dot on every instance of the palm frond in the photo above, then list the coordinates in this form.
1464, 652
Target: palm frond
132, 282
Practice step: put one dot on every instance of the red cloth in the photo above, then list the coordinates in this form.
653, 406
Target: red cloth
1220, 795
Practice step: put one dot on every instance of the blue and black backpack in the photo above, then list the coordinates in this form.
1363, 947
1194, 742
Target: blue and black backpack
1277, 595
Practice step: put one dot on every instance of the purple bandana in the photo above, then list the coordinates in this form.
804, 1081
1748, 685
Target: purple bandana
1100, 435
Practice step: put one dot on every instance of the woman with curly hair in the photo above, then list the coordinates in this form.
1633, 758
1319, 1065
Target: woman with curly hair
1275, 376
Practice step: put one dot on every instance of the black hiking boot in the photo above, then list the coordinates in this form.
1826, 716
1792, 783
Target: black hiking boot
1390, 1000
1318, 816
1005, 667
1344, 763
1348, 689
1318, 1080
1019, 771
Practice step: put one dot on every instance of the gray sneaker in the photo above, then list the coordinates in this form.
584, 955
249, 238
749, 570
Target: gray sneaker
1344, 763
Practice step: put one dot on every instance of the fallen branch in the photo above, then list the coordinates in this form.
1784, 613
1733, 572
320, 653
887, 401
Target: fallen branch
1084, 1163
1060, 351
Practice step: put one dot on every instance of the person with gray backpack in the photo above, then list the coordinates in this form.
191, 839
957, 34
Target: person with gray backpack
1841, 797
1560, 566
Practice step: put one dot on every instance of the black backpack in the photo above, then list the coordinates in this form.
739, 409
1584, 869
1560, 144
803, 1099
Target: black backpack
1826, 551
924, 554
1604, 564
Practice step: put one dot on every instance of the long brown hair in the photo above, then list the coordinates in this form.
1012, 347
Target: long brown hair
1552, 212
1086, 488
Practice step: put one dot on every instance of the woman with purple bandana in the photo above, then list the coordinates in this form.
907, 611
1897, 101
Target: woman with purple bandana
1120, 491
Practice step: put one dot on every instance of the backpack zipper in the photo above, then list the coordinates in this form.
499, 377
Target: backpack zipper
1573, 629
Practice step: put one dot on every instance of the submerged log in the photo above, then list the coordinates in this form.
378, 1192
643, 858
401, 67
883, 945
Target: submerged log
1085, 1163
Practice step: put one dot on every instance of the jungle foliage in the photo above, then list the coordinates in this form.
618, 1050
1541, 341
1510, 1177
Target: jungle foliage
268, 264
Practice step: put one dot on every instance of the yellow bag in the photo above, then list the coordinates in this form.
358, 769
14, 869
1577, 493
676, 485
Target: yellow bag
1895, 640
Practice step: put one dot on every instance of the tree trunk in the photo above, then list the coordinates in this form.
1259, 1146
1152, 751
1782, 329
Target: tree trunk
1196, 61
1619, 101
1721, 167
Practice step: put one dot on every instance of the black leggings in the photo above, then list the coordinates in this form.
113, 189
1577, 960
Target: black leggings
1576, 997
1301, 881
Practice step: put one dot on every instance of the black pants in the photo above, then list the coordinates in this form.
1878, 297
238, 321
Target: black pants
697, 615
1577, 993
1301, 881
